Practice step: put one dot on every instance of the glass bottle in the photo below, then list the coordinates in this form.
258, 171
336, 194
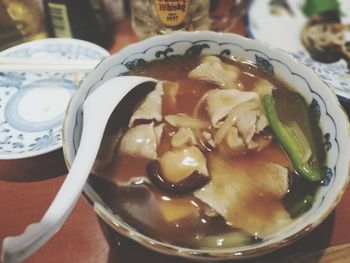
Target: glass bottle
226, 14
20, 21
82, 19
151, 17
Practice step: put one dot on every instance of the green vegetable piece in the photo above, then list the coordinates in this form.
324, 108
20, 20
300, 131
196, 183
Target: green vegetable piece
301, 206
290, 143
314, 7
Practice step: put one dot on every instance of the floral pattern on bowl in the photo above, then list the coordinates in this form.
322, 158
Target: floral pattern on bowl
321, 100
32, 105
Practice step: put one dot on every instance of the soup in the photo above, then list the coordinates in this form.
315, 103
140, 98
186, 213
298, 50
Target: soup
218, 154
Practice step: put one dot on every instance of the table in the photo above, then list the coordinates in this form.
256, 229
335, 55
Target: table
28, 186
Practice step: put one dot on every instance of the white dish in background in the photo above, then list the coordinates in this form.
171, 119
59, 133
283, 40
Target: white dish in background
283, 31
32, 104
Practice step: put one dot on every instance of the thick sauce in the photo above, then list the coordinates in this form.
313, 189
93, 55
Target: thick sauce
155, 213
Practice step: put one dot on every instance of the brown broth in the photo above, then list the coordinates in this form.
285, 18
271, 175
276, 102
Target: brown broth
142, 205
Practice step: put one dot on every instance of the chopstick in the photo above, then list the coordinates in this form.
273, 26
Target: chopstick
10, 64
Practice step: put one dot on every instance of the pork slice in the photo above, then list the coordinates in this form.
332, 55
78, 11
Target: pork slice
247, 194
213, 70
142, 141
151, 108
221, 102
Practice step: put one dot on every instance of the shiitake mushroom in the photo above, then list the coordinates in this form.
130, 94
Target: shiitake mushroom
194, 181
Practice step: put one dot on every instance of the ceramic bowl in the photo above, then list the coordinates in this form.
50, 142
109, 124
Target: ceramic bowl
33, 104
320, 98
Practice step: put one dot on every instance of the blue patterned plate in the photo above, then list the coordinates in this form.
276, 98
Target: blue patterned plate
32, 105
283, 31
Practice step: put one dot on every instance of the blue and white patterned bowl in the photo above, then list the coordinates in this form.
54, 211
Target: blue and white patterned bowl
32, 104
320, 98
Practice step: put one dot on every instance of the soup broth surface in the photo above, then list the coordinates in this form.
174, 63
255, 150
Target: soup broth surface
183, 219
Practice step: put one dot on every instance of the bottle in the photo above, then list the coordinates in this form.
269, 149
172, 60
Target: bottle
226, 14
151, 17
82, 19
115, 10
20, 21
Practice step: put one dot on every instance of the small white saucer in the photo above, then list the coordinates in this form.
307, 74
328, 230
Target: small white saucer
32, 105
283, 31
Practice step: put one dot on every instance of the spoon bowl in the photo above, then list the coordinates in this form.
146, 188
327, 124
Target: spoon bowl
97, 110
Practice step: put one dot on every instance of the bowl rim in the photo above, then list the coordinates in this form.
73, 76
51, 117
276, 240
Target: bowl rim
61, 40
214, 254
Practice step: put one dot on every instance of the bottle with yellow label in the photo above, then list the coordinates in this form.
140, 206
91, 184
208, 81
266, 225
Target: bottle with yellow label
151, 17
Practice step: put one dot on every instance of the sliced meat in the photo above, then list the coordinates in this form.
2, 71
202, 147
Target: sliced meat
263, 87
239, 191
232, 143
142, 141
221, 102
183, 137
151, 107
213, 70
251, 123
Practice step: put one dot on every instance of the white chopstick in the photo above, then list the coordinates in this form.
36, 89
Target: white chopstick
9, 64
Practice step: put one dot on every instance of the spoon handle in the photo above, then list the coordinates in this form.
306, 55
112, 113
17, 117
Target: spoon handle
97, 109
18, 248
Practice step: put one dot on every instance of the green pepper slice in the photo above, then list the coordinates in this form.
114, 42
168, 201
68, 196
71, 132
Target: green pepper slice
302, 206
289, 142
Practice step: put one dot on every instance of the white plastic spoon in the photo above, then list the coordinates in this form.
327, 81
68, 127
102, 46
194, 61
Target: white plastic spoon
97, 109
